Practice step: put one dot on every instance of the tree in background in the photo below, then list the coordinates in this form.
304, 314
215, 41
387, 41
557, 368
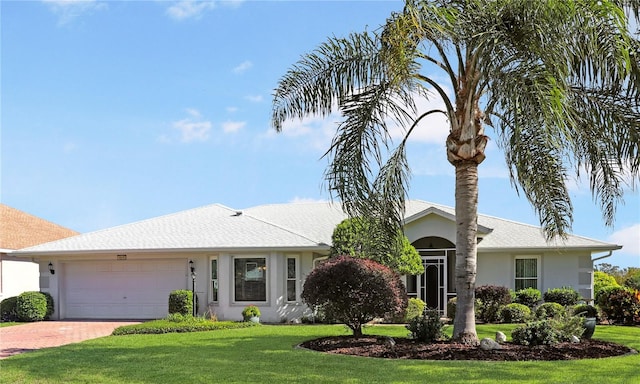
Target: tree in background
357, 237
558, 81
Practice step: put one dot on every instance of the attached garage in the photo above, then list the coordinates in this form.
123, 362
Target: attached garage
126, 289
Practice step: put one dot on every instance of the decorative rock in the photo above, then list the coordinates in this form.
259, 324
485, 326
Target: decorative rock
489, 344
389, 342
501, 337
575, 339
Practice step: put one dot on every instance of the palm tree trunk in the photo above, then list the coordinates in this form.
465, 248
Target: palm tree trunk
464, 327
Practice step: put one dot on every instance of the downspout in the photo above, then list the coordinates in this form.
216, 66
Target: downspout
602, 257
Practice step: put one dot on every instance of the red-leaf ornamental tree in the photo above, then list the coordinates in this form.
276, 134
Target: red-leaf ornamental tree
557, 80
355, 291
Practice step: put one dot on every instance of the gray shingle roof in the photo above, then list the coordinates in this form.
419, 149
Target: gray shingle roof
277, 226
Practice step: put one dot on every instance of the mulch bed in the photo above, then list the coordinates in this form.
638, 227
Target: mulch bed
372, 346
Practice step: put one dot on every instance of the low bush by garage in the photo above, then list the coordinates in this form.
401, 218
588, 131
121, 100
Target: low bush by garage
185, 323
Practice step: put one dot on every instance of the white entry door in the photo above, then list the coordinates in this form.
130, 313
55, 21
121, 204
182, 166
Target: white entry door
121, 289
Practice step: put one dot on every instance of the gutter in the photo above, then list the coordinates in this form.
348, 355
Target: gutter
602, 257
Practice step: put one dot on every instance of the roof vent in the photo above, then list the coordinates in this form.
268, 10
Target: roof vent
238, 213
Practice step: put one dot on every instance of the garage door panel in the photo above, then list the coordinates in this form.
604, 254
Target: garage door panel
122, 289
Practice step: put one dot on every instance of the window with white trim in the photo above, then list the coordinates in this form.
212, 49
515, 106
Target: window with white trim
214, 280
250, 278
292, 272
527, 272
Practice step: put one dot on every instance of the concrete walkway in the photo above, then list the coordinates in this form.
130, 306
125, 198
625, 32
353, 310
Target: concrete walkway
44, 334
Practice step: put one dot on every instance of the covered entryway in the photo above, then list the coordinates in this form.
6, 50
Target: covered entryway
435, 285
125, 289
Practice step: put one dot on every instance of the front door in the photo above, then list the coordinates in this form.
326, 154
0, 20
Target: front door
432, 284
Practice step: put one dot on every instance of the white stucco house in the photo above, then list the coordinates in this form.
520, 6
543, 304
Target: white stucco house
19, 229
263, 254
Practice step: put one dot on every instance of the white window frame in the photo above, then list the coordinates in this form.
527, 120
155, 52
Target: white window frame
265, 275
214, 284
295, 279
538, 270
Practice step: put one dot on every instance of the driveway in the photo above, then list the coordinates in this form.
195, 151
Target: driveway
44, 334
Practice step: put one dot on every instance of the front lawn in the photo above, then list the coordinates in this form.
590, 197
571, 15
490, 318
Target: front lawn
266, 354
9, 323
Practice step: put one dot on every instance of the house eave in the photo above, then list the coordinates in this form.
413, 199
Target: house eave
602, 248
60, 253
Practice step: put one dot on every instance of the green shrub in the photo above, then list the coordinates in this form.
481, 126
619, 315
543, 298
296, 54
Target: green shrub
585, 310
620, 305
427, 327
31, 306
548, 331
50, 305
539, 332
415, 307
565, 296
181, 301
355, 291
250, 311
602, 280
515, 313
633, 279
451, 308
492, 298
527, 296
188, 324
549, 310
8, 309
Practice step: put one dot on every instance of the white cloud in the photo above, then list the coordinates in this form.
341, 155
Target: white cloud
243, 67
68, 10
192, 128
433, 128
233, 126
189, 9
232, 109
254, 98
629, 238
314, 131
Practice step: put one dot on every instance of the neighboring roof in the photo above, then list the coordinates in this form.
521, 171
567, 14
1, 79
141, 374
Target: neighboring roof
19, 229
277, 226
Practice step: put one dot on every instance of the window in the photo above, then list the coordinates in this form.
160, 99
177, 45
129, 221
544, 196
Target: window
292, 279
250, 278
214, 279
527, 269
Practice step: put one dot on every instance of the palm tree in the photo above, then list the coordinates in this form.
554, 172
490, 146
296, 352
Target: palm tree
557, 81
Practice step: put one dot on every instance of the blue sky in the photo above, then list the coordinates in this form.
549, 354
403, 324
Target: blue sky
118, 111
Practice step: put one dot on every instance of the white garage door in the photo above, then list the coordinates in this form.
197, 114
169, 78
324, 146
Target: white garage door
121, 289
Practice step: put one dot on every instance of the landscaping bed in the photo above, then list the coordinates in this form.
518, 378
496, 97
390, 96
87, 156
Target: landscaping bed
403, 348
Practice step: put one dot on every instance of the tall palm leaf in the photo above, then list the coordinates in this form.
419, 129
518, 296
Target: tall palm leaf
559, 82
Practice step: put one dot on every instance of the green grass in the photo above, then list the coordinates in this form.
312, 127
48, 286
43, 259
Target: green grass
188, 324
9, 323
266, 354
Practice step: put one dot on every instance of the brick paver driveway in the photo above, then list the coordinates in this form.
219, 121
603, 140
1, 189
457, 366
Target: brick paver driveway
44, 334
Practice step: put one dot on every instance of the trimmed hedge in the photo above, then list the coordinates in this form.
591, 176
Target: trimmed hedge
181, 301
515, 313
50, 305
31, 306
174, 325
528, 296
8, 309
565, 296
415, 307
492, 298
